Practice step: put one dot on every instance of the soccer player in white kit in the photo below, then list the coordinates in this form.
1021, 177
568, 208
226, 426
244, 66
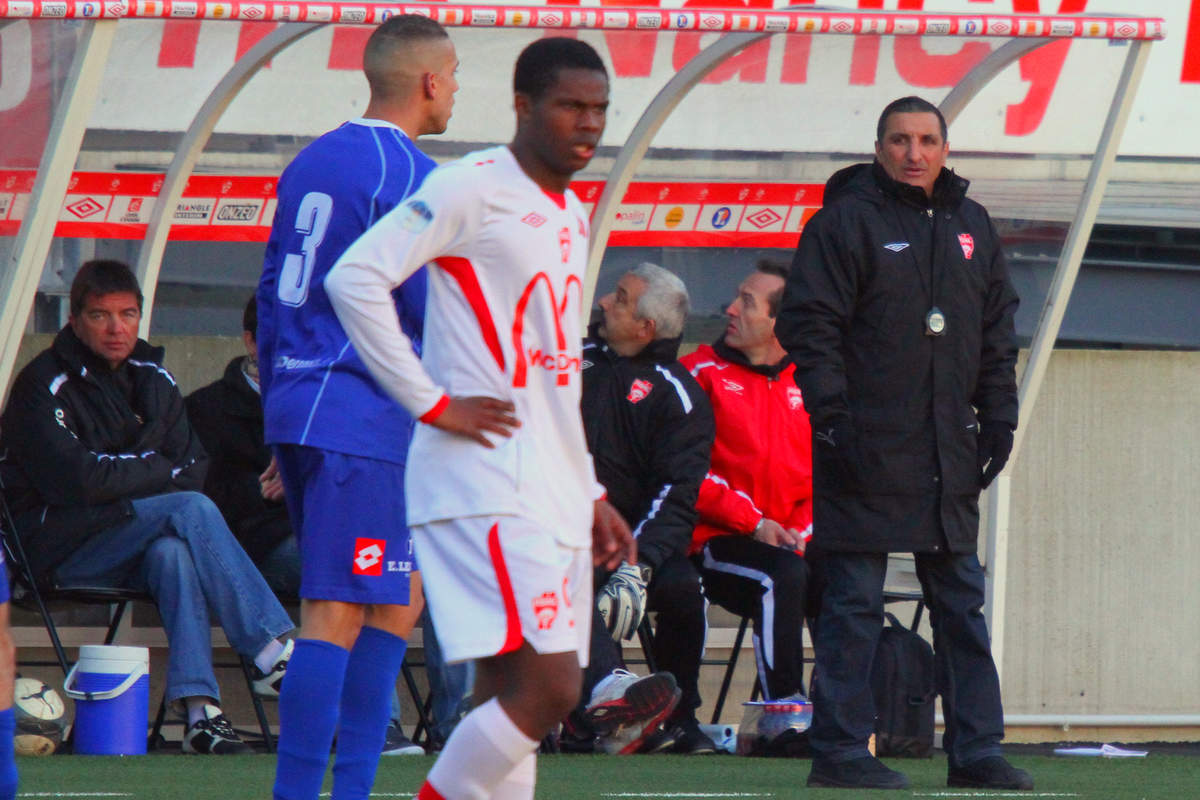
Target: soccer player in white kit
504, 507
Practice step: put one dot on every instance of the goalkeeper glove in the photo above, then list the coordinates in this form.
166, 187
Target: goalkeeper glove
622, 601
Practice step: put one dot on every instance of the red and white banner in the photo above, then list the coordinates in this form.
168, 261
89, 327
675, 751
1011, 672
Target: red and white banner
216, 208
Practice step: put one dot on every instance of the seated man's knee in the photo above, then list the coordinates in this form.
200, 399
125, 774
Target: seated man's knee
562, 691
167, 552
677, 590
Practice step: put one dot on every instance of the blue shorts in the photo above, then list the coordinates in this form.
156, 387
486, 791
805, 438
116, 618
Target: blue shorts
348, 515
4, 596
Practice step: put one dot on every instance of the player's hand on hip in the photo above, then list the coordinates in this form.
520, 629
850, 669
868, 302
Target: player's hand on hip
474, 417
612, 541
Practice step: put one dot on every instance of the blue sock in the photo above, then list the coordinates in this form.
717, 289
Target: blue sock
375, 662
8, 764
308, 712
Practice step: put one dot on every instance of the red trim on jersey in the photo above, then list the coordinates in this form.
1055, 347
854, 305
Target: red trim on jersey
436, 411
463, 271
429, 793
559, 198
513, 638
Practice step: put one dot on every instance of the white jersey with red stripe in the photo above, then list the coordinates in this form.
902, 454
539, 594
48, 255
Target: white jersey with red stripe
502, 320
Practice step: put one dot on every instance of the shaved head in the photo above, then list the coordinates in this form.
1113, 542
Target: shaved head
400, 51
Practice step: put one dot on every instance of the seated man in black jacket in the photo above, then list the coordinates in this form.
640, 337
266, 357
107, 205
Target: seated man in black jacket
242, 480
104, 474
650, 430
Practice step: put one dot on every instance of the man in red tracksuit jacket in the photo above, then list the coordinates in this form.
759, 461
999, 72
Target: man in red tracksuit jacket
755, 505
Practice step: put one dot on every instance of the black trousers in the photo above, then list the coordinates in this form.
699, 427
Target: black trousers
674, 594
773, 587
848, 632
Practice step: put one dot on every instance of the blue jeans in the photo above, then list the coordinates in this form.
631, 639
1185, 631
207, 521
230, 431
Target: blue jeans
449, 684
178, 548
848, 632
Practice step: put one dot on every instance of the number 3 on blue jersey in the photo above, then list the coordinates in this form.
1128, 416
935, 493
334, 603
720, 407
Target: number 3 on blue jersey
312, 220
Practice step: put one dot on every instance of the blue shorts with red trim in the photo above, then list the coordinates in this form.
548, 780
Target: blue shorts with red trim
349, 518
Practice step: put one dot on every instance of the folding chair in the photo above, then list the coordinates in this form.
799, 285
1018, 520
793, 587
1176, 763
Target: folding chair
28, 593
900, 585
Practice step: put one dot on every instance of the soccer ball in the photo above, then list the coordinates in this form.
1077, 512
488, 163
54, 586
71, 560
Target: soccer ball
40, 717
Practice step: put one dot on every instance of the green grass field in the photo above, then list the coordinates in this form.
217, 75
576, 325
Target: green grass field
172, 777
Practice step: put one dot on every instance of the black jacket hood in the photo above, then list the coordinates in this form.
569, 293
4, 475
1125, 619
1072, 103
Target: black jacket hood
659, 351
738, 357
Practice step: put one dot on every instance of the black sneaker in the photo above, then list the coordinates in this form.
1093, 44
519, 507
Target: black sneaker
660, 741
213, 735
690, 740
266, 684
867, 772
395, 743
993, 772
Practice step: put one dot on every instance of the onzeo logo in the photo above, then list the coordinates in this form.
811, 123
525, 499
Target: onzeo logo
368, 556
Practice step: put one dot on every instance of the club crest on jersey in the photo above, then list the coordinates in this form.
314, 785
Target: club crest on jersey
795, 399
534, 219
967, 243
368, 556
564, 243
416, 216
545, 608
639, 390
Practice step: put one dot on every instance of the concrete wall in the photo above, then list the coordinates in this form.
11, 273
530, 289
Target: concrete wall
1104, 561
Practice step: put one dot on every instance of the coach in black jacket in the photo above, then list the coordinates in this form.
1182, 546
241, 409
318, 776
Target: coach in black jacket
649, 428
227, 416
102, 470
898, 313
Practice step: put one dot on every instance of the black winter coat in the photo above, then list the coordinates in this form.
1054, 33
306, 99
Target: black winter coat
227, 415
870, 266
649, 428
80, 441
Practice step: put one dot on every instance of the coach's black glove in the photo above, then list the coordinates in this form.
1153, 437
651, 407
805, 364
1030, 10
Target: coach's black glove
992, 448
837, 444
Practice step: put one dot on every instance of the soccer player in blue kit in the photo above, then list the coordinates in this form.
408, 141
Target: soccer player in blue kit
8, 669
340, 442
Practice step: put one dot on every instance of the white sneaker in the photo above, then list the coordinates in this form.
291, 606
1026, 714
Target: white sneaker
266, 684
625, 708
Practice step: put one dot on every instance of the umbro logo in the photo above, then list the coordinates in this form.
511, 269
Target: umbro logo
731, 386
534, 219
895, 247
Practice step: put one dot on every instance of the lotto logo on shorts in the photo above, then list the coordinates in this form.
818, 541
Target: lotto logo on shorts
368, 556
545, 608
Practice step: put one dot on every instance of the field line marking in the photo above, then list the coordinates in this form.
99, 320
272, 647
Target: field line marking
971, 793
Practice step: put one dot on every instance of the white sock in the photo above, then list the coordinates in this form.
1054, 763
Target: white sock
519, 784
195, 708
483, 749
267, 657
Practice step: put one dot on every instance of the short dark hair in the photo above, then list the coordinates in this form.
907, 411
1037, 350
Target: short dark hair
908, 105
250, 317
539, 64
99, 277
780, 269
395, 34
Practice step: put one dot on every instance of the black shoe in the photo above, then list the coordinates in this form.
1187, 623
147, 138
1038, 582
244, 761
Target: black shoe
992, 772
213, 735
661, 741
867, 772
395, 743
690, 740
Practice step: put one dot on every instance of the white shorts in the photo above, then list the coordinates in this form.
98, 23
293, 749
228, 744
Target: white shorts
495, 582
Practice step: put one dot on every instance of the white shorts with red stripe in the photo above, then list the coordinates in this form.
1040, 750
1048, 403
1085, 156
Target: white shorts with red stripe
493, 582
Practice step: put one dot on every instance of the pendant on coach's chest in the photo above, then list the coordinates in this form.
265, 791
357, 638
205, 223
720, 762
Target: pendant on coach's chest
935, 322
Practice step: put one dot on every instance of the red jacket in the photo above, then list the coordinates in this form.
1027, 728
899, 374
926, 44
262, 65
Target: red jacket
762, 455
